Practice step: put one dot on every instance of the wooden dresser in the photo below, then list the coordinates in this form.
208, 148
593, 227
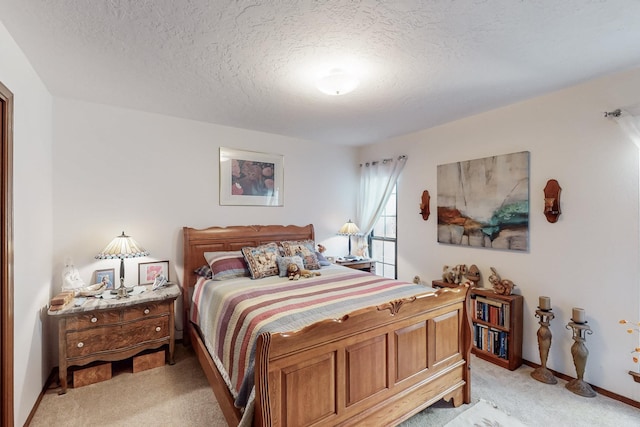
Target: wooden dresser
115, 329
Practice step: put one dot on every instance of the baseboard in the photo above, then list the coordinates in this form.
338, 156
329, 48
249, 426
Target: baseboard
597, 389
53, 376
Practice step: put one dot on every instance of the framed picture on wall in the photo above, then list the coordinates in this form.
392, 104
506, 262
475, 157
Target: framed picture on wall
248, 178
106, 276
484, 202
147, 271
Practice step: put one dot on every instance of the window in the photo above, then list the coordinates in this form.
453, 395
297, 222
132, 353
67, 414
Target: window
383, 240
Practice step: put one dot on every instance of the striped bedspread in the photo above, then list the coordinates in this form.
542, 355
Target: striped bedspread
232, 313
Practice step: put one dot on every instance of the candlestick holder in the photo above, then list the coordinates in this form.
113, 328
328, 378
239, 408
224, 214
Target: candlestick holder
580, 353
541, 373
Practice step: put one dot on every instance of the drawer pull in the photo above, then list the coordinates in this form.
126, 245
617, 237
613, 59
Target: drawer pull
146, 311
94, 319
158, 328
80, 344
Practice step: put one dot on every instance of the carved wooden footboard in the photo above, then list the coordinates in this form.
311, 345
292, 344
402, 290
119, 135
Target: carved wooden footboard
375, 366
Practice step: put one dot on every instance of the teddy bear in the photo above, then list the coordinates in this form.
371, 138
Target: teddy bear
294, 272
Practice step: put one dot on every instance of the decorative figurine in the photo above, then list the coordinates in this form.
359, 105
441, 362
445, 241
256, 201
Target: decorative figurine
500, 286
159, 282
454, 274
71, 280
473, 275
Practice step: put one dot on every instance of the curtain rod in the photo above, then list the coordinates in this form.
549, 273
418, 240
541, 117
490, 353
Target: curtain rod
401, 157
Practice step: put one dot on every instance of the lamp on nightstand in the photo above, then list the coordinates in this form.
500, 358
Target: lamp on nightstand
122, 247
349, 229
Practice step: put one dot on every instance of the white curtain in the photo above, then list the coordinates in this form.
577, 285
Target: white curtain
377, 180
630, 123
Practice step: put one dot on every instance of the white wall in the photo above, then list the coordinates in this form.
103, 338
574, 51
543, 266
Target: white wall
149, 175
32, 214
588, 259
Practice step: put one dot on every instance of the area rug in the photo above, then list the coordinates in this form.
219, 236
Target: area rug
484, 414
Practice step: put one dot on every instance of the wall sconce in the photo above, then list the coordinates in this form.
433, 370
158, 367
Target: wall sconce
424, 206
552, 200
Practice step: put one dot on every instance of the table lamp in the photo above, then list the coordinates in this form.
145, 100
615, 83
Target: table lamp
349, 229
122, 247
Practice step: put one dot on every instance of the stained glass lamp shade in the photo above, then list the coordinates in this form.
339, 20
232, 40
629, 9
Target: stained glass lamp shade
122, 247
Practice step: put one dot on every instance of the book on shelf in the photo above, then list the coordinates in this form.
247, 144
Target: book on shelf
492, 311
491, 340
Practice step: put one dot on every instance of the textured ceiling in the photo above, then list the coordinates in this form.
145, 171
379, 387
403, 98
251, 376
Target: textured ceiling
253, 64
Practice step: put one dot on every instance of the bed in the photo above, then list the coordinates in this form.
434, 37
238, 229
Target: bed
372, 365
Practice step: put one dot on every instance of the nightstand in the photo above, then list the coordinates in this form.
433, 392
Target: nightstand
368, 265
115, 329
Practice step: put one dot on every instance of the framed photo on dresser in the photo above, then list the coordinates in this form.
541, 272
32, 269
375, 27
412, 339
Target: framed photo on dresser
147, 271
106, 276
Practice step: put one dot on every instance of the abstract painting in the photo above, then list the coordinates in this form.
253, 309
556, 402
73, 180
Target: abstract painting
484, 203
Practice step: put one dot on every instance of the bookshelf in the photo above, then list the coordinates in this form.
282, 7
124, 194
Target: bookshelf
497, 325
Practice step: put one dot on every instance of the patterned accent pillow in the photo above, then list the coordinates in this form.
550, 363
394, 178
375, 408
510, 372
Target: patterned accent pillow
284, 261
227, 265
262, 260
305, 249
204, 271
322, 260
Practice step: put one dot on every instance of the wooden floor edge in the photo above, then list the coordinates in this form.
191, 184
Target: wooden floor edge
597, 389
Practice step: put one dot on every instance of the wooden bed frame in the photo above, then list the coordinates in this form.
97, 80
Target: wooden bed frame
374, 366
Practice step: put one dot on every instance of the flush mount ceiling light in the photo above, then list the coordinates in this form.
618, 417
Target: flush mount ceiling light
337, 82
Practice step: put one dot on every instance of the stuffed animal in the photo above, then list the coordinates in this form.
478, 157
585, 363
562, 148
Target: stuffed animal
294, 272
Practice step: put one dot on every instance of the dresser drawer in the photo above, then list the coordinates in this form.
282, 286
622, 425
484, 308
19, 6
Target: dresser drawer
90, 320
146, 310
116, 337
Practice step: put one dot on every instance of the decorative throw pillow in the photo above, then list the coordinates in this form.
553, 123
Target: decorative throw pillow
262, 260
322, 260
305, 249
284, 261
203, 271
227, 265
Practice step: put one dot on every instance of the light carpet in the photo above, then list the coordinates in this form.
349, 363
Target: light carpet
484, 414
179, 395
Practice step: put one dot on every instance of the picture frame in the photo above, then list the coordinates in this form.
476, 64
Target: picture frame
147, 271
490, 196
249, 178
107, 276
